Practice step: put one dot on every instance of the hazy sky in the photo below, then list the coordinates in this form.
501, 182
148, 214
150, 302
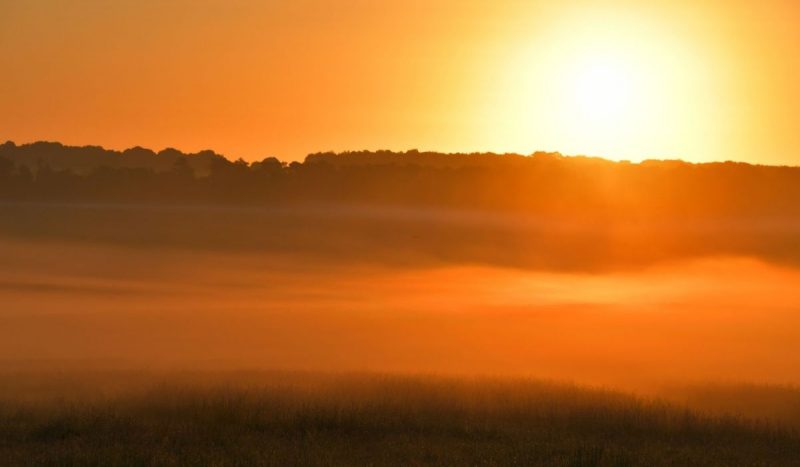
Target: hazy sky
666, 78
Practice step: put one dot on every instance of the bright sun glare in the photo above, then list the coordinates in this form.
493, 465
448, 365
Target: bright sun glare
602, 92
618, 88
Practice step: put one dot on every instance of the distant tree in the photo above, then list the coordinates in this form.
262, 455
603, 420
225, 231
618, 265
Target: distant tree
270, 166
219, 167
140, 157
6, 167
182, 169
170, 153
241, 164
7, 148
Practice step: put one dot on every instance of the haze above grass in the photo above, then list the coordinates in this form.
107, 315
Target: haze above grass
284, 418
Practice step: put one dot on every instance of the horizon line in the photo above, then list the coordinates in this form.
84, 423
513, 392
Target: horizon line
417, 151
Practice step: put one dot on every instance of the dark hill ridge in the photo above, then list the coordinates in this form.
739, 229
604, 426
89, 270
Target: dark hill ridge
84, 159
540, 211
545, 184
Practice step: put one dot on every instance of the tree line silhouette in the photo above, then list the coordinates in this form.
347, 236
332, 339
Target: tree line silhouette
543, 183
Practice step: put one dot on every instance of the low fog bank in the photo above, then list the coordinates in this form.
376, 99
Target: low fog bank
343, 288
398, 236
75, 306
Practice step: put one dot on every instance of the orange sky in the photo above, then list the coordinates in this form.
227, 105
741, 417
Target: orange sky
696, 80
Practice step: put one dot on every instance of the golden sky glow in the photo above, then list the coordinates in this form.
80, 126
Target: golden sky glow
626, 80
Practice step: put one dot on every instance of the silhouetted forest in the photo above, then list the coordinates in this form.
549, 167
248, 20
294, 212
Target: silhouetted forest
545, 184
539, 211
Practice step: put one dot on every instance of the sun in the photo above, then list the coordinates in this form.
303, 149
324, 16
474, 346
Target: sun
616, 86
601, 91
584, 99
607, 101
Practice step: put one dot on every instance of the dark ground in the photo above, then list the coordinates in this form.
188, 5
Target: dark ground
291, 419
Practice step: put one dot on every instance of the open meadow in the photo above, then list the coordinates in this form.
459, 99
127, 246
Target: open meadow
242, 419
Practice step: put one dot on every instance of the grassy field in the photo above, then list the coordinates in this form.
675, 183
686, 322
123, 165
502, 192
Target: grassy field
116, 419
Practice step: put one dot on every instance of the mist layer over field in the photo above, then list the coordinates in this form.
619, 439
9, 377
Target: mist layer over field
135, 335
75, 296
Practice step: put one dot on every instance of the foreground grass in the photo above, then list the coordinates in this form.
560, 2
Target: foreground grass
368, 420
